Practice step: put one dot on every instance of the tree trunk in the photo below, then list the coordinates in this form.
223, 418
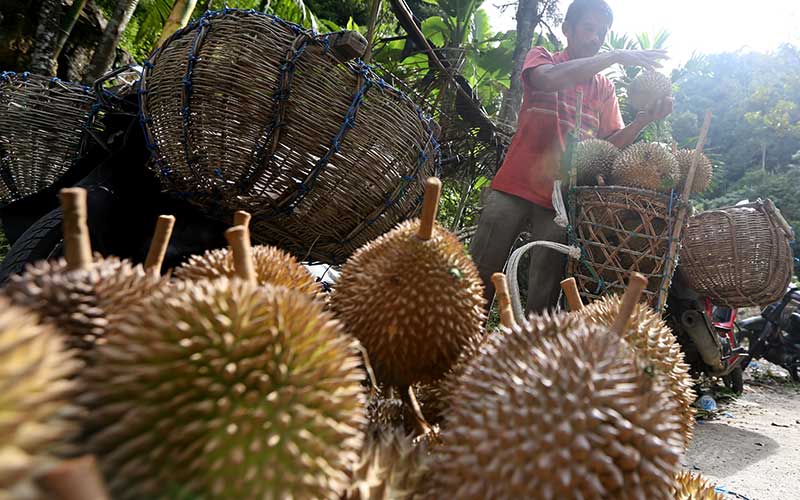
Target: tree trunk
527, 19
43, 61
104, 55
66, 26
178, 18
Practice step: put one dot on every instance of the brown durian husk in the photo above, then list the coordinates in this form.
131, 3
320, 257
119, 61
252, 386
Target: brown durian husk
559, 408
272, 265
694, 487
225, 389
36, 386
702, 174
657, 347
646, 166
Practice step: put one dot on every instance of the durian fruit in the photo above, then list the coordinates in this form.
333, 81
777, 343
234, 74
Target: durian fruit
81, 295
35, 389
593, 157
657, 348
413, 298
226, 389
694, 487
647, 88
558, 408
647, 166
390, 467
702, 174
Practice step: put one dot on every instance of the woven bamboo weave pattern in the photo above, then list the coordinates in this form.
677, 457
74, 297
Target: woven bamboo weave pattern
621, 230
42, 131
738, 256
244, 111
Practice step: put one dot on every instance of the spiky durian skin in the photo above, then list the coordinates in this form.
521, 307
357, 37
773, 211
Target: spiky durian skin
272, 265
694, 487
702, 174
594, 157
415, 305
223, 389
82, 304
35, 389
390, 467
647, 88
646, 166
656, 347
557, 409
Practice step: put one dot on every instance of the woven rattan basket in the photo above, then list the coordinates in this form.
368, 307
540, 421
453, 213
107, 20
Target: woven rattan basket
738, 256
245, 111
622, 230
43, 128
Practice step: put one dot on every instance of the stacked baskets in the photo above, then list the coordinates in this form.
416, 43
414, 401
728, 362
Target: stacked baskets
245, 111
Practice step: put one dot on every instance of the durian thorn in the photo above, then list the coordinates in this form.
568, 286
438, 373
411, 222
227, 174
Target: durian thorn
241, 218
239, 239
504, 300
570, 288
633, 293
433, 191
77, 245
373, 381
75, 479
410, 399
158, 248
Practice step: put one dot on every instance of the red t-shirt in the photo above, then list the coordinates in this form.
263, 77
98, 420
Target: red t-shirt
533, 159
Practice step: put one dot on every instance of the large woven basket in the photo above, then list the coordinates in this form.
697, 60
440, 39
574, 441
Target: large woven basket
622, 230
246, 111
738, 256
43, 128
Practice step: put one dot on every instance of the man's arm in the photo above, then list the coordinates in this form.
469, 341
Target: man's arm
624, 137
554, 77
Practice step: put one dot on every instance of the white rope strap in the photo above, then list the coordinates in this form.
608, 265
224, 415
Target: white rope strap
513, 264
558, 204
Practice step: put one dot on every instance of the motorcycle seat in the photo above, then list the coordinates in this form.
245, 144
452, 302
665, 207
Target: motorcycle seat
754, 323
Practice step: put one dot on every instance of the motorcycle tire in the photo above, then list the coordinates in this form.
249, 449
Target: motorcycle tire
42, 241
735, 380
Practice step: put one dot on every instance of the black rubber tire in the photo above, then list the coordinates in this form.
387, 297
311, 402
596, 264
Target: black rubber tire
735, 380
42, 241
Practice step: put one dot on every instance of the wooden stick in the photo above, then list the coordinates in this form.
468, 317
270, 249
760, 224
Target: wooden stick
75, 479
158, 248
698, 151
636, 286
373, 19
433, 191
503, 300
77, 245
409, 398
239, 239
570, 288
241, 218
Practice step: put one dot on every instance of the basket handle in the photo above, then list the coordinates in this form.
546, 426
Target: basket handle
779, 218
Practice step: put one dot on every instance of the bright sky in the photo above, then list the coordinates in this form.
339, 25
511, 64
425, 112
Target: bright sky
705, 26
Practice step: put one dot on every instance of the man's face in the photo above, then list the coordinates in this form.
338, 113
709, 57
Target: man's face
585, 37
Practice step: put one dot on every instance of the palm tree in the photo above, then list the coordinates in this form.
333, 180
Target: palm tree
104, 54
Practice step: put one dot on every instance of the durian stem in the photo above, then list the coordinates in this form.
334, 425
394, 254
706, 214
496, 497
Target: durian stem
158, 248
77, 245
373, 381
76, 479
239, 239
409, 398
241, 218
633, 293
433, 191
503, 300
570, 288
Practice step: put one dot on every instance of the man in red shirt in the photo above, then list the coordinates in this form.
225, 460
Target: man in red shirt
522, 189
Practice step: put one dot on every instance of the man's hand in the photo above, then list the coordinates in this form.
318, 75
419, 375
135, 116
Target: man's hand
648, 59
659, 110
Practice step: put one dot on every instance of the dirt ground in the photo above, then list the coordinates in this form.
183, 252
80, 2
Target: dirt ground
751, 445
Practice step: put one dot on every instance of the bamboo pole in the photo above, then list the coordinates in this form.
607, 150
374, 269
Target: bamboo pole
77, 245
158, 248
430, 205
373, 20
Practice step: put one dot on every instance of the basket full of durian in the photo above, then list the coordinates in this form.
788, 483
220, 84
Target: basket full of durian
626, 206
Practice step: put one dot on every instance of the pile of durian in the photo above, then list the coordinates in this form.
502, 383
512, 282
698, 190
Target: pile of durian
232, 376
644, 165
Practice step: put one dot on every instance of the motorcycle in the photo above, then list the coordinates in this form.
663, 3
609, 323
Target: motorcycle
775, 334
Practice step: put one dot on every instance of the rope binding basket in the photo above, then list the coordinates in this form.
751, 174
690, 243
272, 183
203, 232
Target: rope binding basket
44, 125
738, 256
245, 111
